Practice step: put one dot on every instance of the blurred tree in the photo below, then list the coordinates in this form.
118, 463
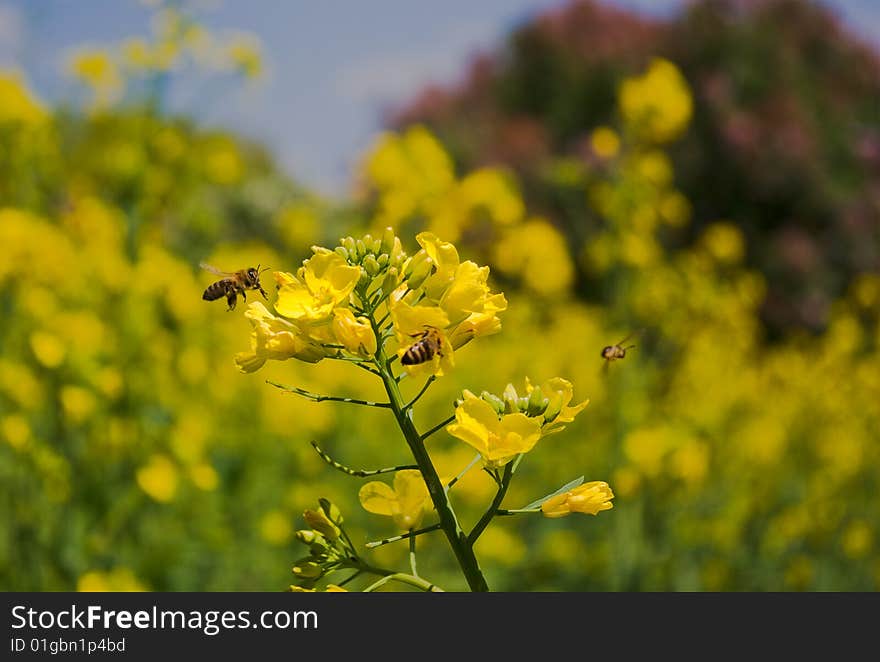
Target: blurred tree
784, 142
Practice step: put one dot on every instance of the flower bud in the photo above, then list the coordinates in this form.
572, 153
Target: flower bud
420, 273
309, 570
321, 523
382, 260
368, 241
341, 251
387, 244
391, 279
364, 280
331, 511
371, 265
537, 403
496, 402
307, 536
361, 248
511, 400
375, 246
552, 411
349, 245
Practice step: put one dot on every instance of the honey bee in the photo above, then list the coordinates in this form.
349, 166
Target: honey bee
617, 351
428, 345
232, 284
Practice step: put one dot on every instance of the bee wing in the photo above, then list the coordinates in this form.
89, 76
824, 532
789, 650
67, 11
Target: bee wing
214, 270
637, 332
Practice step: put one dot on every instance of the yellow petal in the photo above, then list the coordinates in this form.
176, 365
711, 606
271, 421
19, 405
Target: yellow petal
378, 498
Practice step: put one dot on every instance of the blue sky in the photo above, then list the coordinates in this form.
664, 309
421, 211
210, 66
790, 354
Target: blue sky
333, 65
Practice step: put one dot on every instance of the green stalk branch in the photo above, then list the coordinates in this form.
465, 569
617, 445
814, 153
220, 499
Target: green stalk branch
496, 502
428, 382
403, 578
402, 536
437, 428
360, 473
314, 397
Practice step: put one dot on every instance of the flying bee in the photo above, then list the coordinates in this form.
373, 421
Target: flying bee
428, 345
233, 283
614, 352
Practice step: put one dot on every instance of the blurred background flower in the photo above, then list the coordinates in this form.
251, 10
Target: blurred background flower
705, 177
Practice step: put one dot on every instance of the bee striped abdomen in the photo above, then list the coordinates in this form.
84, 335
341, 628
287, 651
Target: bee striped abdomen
424, 349
216, 290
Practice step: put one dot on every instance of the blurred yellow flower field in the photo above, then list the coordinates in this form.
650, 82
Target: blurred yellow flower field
142, 449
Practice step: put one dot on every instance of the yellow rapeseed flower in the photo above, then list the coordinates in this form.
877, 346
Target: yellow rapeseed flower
498, 439
244, 51
589, 498
605, 142
444, 256
118, 579
537, 252
406, 503
158, 478
275, 338
275, 528
96, 68
410, 325
324, 282
492, 190
560, 393
461, 290
658, 104
355, 333
17, 104
48, 348
479, 324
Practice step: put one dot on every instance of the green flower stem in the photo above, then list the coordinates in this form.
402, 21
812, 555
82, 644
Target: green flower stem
490, 512
457, 538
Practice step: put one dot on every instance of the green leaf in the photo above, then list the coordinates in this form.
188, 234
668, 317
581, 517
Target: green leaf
564, 488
